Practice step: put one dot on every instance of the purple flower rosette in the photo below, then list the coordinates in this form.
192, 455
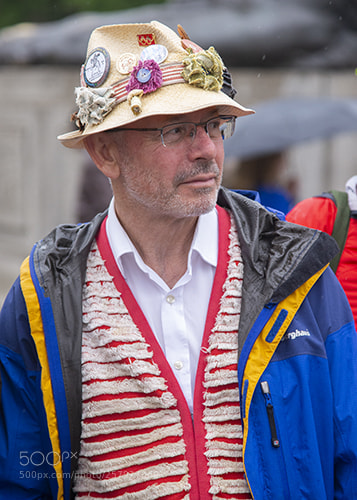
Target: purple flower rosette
146, 76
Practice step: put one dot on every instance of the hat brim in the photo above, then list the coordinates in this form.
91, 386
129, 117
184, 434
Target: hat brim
176, 99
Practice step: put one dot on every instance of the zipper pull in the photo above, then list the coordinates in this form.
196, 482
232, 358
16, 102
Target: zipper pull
270, 411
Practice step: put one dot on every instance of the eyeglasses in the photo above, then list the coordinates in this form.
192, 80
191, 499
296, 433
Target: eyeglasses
220, 127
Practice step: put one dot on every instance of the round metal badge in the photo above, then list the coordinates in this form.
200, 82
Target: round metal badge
126, 63
156, 52
96, 67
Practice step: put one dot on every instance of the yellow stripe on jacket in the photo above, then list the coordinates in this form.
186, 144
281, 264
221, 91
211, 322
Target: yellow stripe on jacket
263, 349
36, 326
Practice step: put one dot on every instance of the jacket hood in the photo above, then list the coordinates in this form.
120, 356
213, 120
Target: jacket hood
275, 252
278, 256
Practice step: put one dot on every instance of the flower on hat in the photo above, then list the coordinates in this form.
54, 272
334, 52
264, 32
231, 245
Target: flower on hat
93, 104
146, 76
204, 69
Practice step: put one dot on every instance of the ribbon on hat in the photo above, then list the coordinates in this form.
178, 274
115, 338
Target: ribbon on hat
95, 104
204, 69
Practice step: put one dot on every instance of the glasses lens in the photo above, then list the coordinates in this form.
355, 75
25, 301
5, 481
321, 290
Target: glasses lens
173, 134
221, 127
213, 128
227, 126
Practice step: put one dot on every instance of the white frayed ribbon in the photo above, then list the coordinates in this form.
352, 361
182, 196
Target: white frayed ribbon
94, 104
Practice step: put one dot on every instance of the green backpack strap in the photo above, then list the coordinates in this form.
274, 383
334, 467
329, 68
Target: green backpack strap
342, 222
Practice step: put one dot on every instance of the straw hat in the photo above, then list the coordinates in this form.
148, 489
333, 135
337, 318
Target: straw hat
133, 71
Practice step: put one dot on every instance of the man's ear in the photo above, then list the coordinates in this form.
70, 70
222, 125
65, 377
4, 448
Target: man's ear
104, 153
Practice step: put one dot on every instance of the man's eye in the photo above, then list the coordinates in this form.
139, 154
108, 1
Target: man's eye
176, 131
214, 125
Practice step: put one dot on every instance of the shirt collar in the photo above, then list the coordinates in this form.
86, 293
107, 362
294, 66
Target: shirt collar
205, 240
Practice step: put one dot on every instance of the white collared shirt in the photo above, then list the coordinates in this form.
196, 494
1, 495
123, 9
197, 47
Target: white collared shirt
177, 316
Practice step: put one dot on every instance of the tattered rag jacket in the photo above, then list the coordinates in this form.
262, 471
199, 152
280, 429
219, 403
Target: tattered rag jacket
297, 368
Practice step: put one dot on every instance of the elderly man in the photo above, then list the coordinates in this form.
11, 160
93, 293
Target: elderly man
187, 343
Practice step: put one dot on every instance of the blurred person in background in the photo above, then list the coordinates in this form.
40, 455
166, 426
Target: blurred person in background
335, 212
95, 192
266, 174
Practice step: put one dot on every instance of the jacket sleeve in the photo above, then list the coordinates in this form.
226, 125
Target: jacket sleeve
24, 441
341, 351
341, 348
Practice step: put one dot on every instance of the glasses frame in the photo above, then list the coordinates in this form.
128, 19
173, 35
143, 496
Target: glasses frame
204, 124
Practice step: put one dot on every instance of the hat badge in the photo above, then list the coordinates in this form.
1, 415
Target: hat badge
96, 67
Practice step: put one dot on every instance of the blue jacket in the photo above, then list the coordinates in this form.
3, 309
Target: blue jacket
297, 366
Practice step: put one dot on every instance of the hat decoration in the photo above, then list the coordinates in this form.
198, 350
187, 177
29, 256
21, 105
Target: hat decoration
141, 70
204, 69
146, 76
227, 86
93, 105
201, 68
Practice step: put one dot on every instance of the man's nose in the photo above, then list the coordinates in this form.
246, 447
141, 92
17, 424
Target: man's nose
203, 142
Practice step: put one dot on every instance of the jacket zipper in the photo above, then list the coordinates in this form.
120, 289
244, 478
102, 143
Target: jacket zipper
270, 411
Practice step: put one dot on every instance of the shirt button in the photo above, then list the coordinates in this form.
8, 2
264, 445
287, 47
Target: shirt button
178, 365
170, 299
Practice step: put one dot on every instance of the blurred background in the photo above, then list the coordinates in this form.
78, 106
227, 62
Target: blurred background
294, 62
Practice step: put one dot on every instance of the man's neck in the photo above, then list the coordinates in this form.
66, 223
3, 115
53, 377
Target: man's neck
163, 243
